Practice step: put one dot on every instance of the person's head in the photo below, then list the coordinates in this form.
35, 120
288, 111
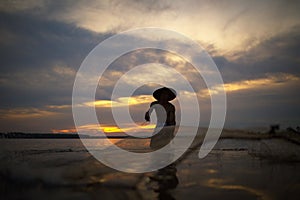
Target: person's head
164, 96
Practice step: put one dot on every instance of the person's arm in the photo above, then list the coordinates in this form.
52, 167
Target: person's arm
147, 116
148, 113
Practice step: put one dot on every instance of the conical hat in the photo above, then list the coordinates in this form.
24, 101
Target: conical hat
171, 92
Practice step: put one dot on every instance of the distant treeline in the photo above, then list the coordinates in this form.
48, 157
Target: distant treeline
38, 135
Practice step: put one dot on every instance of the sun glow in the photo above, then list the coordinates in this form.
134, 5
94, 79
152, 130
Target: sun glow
121, 101
116, 129
108, 128
71, 130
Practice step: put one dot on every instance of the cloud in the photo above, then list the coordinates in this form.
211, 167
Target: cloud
121, 101
230, 25
42, 43
271, 81
255, 45
25, 113
40, 59
276, 54
34, 119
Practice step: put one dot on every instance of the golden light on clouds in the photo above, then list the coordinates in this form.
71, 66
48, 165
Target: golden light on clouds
269, 81
272, 80
122, 101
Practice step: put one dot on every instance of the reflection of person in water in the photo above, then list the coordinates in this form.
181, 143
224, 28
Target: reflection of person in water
165, 112
165, 178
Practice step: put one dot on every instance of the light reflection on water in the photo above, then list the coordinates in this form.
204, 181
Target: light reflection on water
238, 175
223, 184
228, 172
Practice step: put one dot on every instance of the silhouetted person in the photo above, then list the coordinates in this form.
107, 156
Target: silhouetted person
164, 178
165, 112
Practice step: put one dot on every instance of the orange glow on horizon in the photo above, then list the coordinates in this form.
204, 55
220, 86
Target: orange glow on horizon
116, 129
106, 128
71, 130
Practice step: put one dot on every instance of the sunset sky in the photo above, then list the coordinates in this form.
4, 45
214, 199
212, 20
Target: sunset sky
255, 45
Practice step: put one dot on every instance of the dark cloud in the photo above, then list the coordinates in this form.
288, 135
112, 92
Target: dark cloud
278, 54
30, 50
41, 43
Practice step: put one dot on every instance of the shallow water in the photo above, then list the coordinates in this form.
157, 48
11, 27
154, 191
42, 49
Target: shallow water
63, 169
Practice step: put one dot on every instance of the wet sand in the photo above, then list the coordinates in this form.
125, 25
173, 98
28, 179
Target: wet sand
241, 166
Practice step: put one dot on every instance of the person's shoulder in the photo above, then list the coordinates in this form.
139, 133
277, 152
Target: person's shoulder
153, 103
170, 104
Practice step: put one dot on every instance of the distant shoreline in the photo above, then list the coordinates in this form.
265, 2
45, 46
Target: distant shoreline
292, 136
